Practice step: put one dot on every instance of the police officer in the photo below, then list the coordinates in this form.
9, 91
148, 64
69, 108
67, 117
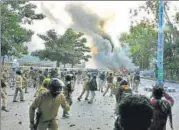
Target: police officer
44, 87
39, 81
102, 78
109, 84
4, 96
122, 91
31, 75
136, 81
68, 89
19, 81
46, 74
48, 105
92, 88
12, 77
85, 87
25, 82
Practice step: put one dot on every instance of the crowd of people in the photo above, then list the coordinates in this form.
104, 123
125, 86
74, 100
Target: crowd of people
133, 111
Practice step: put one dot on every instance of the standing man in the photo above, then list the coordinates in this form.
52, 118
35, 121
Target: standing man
31, 79
12, 77
136, 81
19, 81
48, 105
4, 95
129, 79
25, 81
85, 87
46, 74
68, 89
44, 87
162, 109
39, 81
136, 113
92, 88
109, 84
102, 78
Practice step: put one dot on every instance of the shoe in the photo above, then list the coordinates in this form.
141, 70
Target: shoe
15, 101
22, 100
4, 109
89, 102
65, 116
86, 99
79, 99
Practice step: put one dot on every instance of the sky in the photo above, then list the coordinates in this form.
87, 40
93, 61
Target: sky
118, 9
59, 20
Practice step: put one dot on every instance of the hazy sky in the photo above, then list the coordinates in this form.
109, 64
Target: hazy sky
59, 20
118, 9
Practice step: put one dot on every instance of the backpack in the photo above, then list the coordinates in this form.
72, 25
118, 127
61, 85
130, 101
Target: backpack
161, 111
92, 85
137, 77
124, 93
102, 77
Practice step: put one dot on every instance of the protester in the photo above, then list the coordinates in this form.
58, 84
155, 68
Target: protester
136, 113
162, 109
109, 84
92, 88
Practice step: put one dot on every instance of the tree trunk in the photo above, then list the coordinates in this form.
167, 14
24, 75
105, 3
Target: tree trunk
58, 64
3, 60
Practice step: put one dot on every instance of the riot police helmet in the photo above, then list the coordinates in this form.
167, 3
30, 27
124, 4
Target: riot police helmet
68, 77
56, 86
124, 82
46, 82
18, 72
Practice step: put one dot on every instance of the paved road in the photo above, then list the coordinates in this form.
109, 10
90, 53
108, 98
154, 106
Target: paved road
84, 116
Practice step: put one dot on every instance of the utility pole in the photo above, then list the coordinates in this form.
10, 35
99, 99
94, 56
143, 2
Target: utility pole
160, 43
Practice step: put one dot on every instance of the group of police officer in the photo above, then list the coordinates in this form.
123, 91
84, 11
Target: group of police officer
53, 91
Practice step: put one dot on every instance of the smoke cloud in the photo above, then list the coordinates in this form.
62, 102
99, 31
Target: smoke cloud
86, 21
50, 15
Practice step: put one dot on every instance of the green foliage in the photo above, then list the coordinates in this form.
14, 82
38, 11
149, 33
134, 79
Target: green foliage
67, 48
143, 38
13, 35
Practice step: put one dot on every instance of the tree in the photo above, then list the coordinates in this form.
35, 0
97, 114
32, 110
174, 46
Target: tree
13, 35
141, 39
67, 48
171, 34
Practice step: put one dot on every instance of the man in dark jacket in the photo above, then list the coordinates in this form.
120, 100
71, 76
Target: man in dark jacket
162, 109
92, 88
136, 113
102, 78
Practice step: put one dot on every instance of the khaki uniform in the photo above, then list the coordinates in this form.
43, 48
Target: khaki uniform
136, 83
109, 85
129, 80
68, 95
19, 81
48, 106
32, 78
25, 81
42, 90
3, 94
85, 88
5, 77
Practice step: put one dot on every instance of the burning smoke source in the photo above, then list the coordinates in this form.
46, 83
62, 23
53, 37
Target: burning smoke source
92, 25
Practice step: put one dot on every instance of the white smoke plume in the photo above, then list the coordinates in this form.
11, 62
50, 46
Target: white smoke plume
86, 21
